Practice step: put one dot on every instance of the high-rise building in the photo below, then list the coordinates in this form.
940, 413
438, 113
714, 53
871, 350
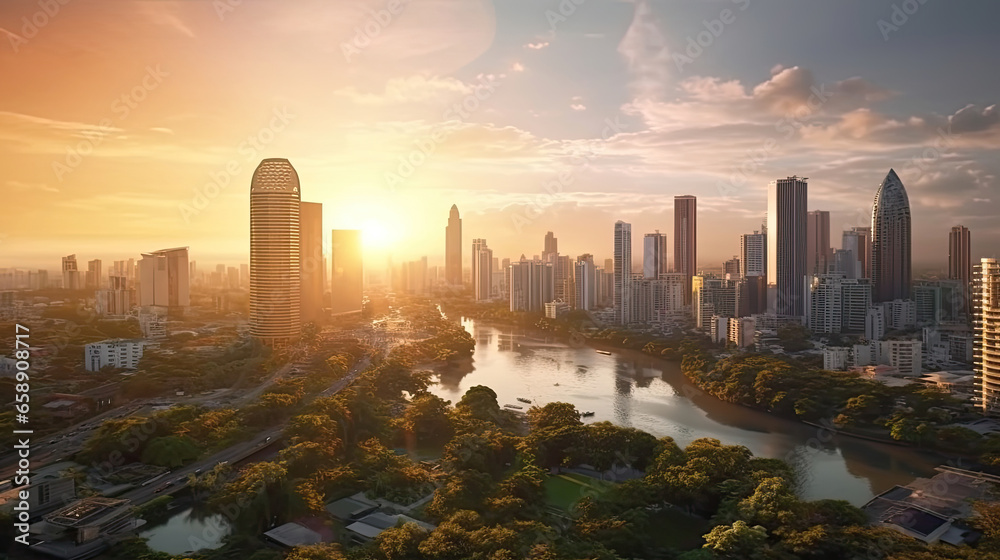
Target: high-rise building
311, 261
116, 301
275, 261
686, 239
786, 245
753, 254
731, 268
623, 272
415, 276
835, 304
844, 262
232, 278
453, 248
986, 332
164, 280
531, 285
890, 246
751, 296
584, 282
482, 270
960, 259
858, 241
244, 276
875, 323
939, 301
654, 255
93, 279
346, 271
658, 299
817, 241
551, 246
712, 296
70, 273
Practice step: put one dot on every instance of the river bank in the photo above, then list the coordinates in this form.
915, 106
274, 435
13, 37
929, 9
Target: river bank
632, 388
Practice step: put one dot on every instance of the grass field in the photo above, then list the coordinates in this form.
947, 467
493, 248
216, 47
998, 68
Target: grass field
563, 491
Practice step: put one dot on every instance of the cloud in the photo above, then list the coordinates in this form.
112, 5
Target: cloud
537, 46
31, 186
645, 52
411, 89
517, 67
578, 107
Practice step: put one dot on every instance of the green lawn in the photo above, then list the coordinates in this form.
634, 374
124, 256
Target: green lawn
563, 491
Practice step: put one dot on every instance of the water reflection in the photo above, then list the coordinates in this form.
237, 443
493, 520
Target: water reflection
188, 530
637, 390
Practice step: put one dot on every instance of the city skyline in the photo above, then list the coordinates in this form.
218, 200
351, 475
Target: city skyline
646, 126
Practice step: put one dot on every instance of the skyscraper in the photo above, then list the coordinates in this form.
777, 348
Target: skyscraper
311, 265
551, 246
753, 254
654, 255
686, 239
164, 280
275, 261
960, 258
857, 240
94, 275
482, 270
623, 272
531, 284
731, 268
70, 273
786, 245
986, 328
817, 241
584, 282
346, 271
453, 248
890, 249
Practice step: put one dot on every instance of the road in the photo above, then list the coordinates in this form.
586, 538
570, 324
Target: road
177, 479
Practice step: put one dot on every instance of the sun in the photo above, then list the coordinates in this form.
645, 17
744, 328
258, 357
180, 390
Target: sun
377, 235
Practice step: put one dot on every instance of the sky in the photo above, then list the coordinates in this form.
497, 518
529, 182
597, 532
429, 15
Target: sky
133, 125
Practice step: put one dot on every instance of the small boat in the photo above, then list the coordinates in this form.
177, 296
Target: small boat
513, 406
586, 414
524, 400
605, 352
555, 384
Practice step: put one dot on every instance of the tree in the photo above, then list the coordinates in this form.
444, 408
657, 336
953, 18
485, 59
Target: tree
401, 543
772, 505
553, 415
170, 451
316, 552
738, 541
261, 493
428, 420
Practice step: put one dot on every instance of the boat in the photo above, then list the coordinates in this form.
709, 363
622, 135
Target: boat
514, 406
586, 414
524, 400
555, 384
605, 352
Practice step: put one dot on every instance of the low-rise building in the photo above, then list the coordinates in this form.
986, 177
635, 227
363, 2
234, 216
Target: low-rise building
118, 353
556, 309
928, 509
372, 525
836, 358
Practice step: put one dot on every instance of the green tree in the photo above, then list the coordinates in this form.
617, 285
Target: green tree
738, 541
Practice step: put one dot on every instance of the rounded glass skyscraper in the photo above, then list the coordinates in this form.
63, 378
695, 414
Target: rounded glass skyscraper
275, 317
890, 244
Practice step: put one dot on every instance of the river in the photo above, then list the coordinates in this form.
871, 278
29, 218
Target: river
630, 388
